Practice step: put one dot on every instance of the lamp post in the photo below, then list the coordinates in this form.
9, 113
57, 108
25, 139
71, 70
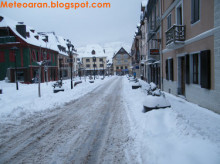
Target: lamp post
14, 49
94, 60
60, 63
103, 68
79, 70
70, 48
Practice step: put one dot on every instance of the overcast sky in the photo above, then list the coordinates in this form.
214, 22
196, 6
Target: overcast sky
83, 26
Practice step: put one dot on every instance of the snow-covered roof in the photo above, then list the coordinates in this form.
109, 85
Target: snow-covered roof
109, 49
87, 51
37, 38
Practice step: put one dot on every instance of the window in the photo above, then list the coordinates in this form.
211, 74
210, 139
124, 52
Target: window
121, 67
87, 60
94, 65
196, 68
126, 67
2, 57
101, 65
195, 11
101, 60
88, 65
48, 56
168, 21
117, 67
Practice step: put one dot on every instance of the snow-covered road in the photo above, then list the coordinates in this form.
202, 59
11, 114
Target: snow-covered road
91, 129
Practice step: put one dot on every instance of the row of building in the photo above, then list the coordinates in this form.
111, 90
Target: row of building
177, 46
21, 47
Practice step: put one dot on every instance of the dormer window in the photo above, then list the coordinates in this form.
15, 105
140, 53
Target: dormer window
1, 18
93, 52
36, 36
28, 34
32, 30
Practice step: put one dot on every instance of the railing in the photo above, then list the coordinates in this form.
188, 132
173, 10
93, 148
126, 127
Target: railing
175, 33
7, 39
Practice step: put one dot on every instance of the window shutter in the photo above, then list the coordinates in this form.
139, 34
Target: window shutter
167, 76
187, 69
11, 56
205, 69
171, 69
2, 57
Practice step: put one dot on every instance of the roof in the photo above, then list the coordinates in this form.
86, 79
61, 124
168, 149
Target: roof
109, 49
121, 51
54, 42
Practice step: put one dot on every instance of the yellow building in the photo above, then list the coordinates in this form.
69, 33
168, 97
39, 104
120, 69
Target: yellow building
122, 62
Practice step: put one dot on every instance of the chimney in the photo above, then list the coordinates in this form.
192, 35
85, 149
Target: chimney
21, 29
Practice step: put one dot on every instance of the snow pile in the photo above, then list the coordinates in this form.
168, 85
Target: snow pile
25, 101
155, 102
183, 134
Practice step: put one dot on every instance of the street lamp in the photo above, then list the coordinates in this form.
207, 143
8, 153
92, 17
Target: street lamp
103, 68
60, 63
14, 49
94, 60
70, 48
79, 72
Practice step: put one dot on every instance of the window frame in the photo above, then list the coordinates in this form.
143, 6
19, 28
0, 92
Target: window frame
193, 11
169, 21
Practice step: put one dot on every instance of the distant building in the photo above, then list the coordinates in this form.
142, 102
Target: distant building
94, 60
122, 62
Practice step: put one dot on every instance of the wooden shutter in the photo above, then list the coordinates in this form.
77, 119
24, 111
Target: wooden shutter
187, 69
2, 57
167, 75
11, 56
171, 69
205, 69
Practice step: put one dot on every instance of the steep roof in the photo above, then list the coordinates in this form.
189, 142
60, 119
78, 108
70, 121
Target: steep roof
121, 51
54, 42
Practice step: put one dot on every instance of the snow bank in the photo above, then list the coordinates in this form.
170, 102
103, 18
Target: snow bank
183, 134
25, 101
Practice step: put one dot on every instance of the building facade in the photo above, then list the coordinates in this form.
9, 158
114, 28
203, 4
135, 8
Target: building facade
153, 15
122, 62
22, 48
190, 60
183, 48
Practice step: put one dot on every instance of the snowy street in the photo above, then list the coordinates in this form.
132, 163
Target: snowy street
104, 123
91, 129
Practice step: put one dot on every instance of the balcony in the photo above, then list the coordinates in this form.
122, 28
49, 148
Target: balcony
175, 36
7, 39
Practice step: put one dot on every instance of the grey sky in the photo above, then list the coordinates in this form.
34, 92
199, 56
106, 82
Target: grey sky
83, 26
